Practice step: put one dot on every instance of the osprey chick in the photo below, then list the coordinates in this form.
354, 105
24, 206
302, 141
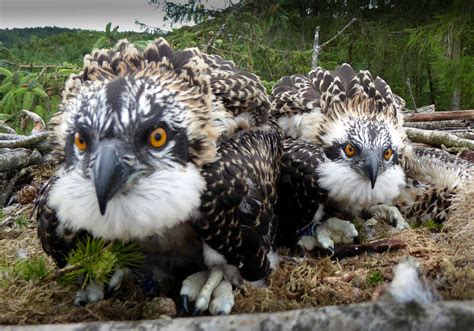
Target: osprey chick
173, 150
347, 154
342, 155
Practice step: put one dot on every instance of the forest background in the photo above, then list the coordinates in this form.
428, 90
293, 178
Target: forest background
422, 48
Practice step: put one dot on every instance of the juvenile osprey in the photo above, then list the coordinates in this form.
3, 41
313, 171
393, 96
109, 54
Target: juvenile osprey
347, 155
173, 150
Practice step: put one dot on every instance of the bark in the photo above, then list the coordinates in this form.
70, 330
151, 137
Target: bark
440, 116
380, 315
379, 246
24, 141
13, 159
438, 125
314, 60
438, 138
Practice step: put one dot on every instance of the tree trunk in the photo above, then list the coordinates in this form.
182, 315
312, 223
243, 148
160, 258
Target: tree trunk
454, 53
314, 60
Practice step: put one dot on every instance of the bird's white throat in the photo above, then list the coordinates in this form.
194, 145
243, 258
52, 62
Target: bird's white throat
347, 187
152, 205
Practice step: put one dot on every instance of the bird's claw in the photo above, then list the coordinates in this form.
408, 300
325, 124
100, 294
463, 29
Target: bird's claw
389, 214
209, 291
332, 231
92, 293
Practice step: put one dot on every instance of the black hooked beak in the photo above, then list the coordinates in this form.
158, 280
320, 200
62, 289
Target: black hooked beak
110, 172
371, 167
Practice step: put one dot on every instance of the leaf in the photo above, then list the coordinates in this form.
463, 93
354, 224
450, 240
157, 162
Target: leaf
107, 28
41, 111
28, 99
5, 72
5, 117
39, 92
100, 43
6, 87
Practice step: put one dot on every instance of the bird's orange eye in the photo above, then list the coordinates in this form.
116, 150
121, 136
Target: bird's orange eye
80, 142
158, 138
349, 150
387, 154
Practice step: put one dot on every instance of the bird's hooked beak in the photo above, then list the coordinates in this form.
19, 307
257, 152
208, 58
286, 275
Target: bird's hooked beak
371, 167
110, 172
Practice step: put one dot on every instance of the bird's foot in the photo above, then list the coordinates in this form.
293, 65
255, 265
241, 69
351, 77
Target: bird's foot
389, 214
92, 293
325, 235
95, 292
201, 286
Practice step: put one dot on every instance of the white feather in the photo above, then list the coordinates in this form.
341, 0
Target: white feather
151, 205
346, 186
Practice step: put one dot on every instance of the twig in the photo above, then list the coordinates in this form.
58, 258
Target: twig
7, 128
60, 272
438, 138
379, 246
24, 142
39, 123
338, 33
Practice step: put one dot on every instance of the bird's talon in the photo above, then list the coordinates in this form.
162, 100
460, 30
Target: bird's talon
185, 303
196, 312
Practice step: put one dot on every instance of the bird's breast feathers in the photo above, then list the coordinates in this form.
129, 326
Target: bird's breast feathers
150, 206
353, 191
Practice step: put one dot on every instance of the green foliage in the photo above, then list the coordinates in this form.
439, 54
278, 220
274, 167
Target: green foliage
33, 269
96, 260
374, 278
27, 90
22, 221
433, 226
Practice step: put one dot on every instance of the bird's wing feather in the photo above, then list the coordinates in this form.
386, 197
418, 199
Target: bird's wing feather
337, 94
237, 217
56, 240
238, 90
298, 189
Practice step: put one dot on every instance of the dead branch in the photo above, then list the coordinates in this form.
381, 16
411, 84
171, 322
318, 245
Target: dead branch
439, 125
465, 135
438, 138
12, 159
422, 109
39, 123
379, 246
7, 128
316, 49
60, 272
440, 116
411, 95
338, 33
24, 141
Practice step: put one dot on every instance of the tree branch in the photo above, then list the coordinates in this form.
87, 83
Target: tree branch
438, 138
440, 116
7, 128
26, 141
438, 125
338, 33
13, 159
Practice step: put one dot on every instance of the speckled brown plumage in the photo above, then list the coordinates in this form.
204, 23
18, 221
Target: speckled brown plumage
229, 138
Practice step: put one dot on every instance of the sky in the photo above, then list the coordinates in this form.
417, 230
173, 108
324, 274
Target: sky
84, 14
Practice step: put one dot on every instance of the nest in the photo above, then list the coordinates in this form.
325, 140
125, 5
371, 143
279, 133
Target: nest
446, 259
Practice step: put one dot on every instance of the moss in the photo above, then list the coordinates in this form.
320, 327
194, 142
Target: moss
374, 278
